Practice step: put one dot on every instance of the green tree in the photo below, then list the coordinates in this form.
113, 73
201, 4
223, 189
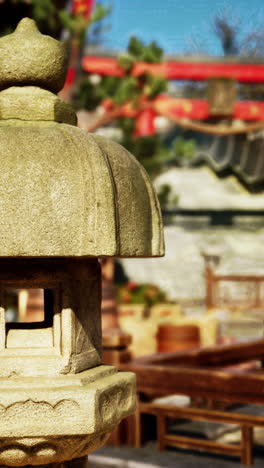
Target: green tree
239, 39
149, 150
51, 16
183, 149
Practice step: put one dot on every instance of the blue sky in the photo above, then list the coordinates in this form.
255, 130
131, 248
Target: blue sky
177, 25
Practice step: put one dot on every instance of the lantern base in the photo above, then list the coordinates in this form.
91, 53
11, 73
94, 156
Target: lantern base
52, 420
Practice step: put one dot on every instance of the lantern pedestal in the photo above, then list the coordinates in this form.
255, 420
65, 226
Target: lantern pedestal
71, 415
61, 403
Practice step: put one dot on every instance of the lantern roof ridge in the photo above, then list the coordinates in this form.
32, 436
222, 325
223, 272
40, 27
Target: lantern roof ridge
29, 58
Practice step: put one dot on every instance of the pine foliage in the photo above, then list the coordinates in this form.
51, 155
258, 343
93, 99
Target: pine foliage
51, 16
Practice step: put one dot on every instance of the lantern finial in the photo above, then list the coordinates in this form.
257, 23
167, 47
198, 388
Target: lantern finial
28, 57
27, 26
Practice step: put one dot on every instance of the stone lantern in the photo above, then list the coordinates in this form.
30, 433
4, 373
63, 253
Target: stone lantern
66, 199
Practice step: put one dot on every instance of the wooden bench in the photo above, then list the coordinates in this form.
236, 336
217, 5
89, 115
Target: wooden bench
246, 422
201, 375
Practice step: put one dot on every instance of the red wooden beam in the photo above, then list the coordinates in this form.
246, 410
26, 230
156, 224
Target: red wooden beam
195, 109
244, 73
198, 109
102, 65
171, 70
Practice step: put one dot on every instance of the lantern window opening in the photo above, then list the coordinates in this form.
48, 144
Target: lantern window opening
21, 332
31, 306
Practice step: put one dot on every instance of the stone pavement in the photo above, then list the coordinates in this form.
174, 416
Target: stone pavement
149, 457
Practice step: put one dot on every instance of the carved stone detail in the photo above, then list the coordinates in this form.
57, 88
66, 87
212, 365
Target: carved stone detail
71, 343
82, 408
43, 450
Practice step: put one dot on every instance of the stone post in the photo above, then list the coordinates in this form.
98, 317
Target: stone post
67, 198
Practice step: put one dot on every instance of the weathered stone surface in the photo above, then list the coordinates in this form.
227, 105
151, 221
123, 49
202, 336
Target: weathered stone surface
30, 58
32, 103
73, 194
40, 450
62, 418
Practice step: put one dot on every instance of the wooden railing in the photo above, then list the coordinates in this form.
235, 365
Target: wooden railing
213, 283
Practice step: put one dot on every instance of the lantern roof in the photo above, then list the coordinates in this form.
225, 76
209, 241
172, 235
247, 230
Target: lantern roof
64, 193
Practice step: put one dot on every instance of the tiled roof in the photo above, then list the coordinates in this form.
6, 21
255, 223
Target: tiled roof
198, 188
241, 155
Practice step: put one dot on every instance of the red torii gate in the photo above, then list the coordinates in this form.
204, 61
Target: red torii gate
181, 109
172, 70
